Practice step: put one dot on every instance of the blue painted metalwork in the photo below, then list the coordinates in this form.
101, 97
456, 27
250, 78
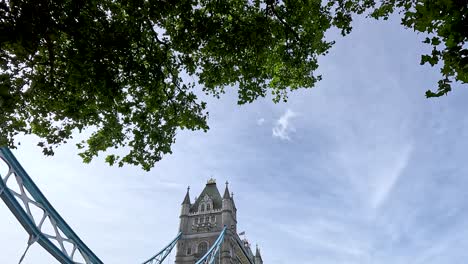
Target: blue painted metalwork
211, 255
20, 204
159, 258
63, 244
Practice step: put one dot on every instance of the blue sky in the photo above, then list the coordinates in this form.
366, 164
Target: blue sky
360, 169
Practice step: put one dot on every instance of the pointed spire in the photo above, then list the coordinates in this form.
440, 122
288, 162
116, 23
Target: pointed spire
258, 257
226, 192
232, 198
187, 197
257, 252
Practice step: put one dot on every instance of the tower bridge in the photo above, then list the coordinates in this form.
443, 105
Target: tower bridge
207, 229
202, 221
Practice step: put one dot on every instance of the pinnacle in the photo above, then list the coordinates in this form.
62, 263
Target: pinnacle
226, 192
187, 197
257, 252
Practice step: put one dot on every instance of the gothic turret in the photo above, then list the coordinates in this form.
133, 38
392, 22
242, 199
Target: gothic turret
227, 199
187, 197
226, 192
258, 257
184, 212
186, 203
201, 223
233, 204
228, 212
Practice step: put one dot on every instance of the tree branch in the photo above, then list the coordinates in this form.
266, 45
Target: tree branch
281, 19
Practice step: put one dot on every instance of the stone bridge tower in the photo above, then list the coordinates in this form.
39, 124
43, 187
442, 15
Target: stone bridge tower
202, 222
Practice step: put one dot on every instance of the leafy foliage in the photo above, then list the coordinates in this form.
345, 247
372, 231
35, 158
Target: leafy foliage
127, 69
447, 22
117, 66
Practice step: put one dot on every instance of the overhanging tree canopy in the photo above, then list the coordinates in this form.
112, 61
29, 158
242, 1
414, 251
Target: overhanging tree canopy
117, 66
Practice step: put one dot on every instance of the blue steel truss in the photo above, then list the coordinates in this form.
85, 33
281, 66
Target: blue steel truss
62, 242
211, 255
159, 258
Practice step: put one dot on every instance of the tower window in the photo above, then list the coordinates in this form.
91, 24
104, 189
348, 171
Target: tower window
208, 207
202, 248
189, 250
202, 208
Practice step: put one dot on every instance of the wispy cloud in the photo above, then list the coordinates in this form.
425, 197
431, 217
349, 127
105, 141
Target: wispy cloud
283, 126
377, 174
260, 121
384, 186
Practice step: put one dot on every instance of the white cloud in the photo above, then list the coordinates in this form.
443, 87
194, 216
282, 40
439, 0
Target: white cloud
385, 184
378, 179
283, 125
325, 235
373, 171
261, 121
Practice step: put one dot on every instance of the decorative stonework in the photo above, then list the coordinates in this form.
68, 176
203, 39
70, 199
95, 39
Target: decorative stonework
204, 220
211, 181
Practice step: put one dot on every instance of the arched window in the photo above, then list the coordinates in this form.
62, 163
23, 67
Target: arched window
202, 248
208, 207
189, 250
202, 209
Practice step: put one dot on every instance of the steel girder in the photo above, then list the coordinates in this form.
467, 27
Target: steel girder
211, 254
159, 258
62, 243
